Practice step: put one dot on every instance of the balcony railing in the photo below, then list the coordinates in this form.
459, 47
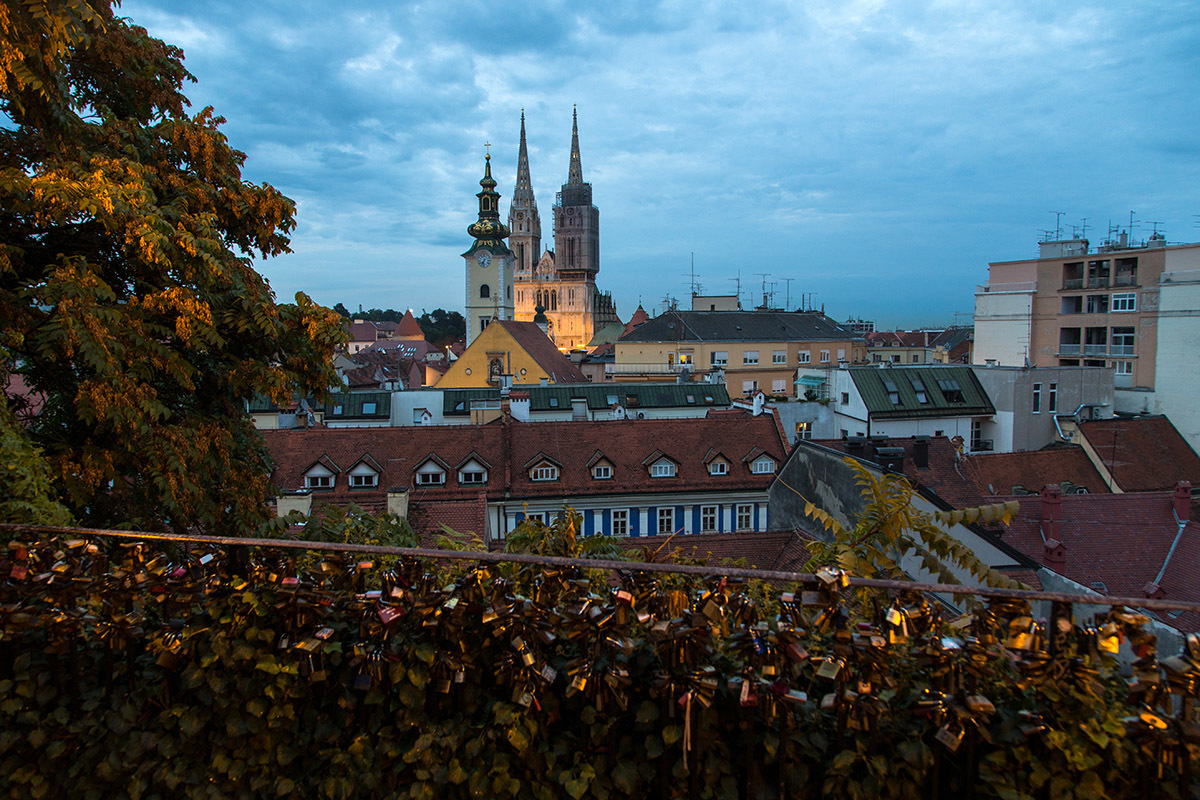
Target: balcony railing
1097, 283
1095, 349
982, 445
1122, 350
655, 369
1069, 349
1073, 283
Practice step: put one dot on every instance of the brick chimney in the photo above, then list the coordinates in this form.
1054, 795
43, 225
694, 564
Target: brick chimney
1153, 591
1183, 500
920, 451
1051, 512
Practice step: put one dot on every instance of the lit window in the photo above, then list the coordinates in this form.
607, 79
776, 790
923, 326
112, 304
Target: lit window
666, 520
708, 518
662, 469
602, 472
779, 357
544, 472
805, 356
745, 518
718, 468
620, 522
763, 465
750, 357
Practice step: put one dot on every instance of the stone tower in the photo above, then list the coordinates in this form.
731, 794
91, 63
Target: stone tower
489, 262
576, 221
523, 220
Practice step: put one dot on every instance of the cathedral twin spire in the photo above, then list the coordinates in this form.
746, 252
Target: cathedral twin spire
575, 172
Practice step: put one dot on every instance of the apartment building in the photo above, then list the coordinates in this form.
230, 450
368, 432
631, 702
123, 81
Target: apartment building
1130, 307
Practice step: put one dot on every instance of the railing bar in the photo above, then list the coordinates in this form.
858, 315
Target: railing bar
615, 566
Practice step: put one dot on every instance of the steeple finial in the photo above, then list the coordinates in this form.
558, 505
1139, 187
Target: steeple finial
575, 173
488, 231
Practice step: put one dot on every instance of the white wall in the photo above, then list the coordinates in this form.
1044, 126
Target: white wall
1002, 327
1177, 368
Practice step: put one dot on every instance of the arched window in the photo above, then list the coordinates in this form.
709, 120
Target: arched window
539, 299
485, 291
554, 300
510, 291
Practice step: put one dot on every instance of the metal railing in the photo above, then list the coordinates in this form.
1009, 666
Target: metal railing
1073, 349
236, 546
1072, 283
1095, 349
646, 368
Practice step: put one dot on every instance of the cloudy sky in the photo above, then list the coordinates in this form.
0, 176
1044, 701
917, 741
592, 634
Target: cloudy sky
877, 154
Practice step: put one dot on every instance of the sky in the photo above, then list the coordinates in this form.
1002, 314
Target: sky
870, 157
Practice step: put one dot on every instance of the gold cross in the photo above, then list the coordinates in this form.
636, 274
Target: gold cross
487, 151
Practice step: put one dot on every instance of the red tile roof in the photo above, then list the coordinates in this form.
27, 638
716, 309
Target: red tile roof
409, 328
1143, 454
998, 473
946, 473
533, 341
461, 516
639, 317
1116, 544
508, 447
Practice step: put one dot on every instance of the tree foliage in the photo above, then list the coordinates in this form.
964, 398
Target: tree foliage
890, 528
128, 301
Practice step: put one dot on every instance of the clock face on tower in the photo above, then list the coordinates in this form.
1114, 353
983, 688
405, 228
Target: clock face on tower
484, 259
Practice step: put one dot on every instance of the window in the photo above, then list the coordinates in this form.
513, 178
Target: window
485, 291
1037, 398
1073, 275
662, 469
666, 520
612, 399
483, 322
472, 477
368, 408
951, 391
845, 398
1097, 304
364, 481
805, 356
745, 518
431, 478
779, 357
804, 430
841, 354
718, 468
708, 518
824, 356
893, 391
553, 401
1052, 400
1124, 367
763, 465
919, 387
544, 472
749, 387
1122, 342
916, 358
1124, 302
1072, 305
318, 481
750, 357
602, 472
719, 358
620, 522
778, 385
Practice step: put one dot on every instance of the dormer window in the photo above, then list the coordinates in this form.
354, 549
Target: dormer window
544, 472
363, 476
472, 473
718, 468
431, 474
318, 481
602, 472
663, 468
321, 475
763, 465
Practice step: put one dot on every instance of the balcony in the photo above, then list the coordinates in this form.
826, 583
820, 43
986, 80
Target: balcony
1095, 349
982, 445
1069, 349
1073, 283
1097, 283
1122, 350
645, 369
1125, 280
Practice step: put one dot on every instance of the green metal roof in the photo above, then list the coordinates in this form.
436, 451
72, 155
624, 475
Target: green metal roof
359, 405
457, 402
897, 392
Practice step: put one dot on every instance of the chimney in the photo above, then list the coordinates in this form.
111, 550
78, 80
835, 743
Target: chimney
397, 502
1051, 512
1183, 500
856, 446
877, 440
1153, 591
1054, 553
890, 458
920, 452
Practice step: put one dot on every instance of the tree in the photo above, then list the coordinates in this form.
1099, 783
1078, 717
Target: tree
128, 303
442, 327
342, 310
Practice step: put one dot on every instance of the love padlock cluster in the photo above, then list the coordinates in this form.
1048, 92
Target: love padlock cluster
606, 641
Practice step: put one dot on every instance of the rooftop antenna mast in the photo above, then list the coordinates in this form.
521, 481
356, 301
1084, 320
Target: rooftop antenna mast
787, 304
1058, 215
1084, 227
738, 282
696, 286
764, 275
1154, 230
1132, 222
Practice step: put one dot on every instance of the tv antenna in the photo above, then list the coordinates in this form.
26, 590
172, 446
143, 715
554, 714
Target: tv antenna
1132, 222
764, 275
1084, 227
738, 283
693, 278
1154, 231
1058, 215
787, 304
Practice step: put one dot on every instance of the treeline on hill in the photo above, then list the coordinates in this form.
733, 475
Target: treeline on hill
441, 327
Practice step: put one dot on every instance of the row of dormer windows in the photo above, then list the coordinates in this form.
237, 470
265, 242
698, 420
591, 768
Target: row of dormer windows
432, 474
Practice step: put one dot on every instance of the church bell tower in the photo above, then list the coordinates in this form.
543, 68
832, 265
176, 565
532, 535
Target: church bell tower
489, 262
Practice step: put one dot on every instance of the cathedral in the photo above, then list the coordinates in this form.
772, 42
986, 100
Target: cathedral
554, 287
